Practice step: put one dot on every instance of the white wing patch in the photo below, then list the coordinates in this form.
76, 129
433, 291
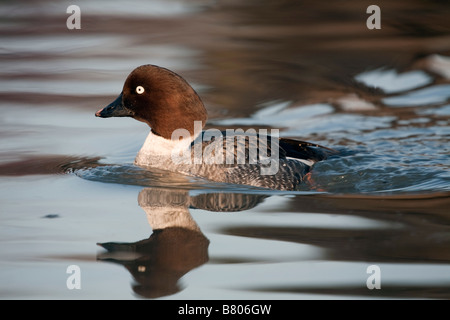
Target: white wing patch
307, 162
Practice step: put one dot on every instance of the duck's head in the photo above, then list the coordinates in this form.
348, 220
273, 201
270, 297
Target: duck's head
160, 98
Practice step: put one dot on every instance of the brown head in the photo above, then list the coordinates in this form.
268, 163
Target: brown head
160, 98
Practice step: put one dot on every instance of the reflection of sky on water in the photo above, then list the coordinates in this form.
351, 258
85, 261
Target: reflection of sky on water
390, 82
427, 96
133, 8
318, 75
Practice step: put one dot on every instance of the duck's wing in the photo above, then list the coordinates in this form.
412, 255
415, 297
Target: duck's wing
298, 149
238, 148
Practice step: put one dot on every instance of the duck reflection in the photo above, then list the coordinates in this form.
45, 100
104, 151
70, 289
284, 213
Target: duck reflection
177, 245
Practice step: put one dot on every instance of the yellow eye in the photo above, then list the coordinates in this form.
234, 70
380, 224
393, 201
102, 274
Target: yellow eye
140, 90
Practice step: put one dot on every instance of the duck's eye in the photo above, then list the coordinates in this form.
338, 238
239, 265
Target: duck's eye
140, 90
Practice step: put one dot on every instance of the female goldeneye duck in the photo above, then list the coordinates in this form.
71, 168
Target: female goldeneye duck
177, 141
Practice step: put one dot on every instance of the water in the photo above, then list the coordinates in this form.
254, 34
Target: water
71, 196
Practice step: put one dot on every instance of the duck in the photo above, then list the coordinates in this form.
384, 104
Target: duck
179, 142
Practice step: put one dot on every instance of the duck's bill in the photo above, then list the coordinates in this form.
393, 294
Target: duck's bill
114, 109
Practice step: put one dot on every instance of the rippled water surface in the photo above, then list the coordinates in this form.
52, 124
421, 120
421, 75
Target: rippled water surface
70, 194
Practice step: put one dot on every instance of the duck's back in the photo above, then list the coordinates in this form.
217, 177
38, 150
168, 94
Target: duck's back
258, 160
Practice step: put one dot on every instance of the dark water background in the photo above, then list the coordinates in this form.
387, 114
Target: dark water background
311, 69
